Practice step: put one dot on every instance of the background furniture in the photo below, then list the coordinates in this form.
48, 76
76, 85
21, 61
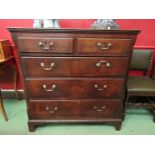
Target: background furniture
5, 56
5, 67
7, 63
5, 49
143, 86
74, 75
9, 66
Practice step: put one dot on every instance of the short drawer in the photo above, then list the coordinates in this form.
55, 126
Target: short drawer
74, 88
50, 45
101, 45
74, 67
74, 109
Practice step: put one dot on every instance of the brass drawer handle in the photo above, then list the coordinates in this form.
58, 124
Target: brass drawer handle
47, 68
100, 89
104, 46
45, 45
51, 110
99, 109
107, 64
52, 89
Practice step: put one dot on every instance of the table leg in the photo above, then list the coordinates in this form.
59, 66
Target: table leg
2, 108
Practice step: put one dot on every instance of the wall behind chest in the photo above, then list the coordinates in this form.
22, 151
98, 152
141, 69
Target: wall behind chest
146, 39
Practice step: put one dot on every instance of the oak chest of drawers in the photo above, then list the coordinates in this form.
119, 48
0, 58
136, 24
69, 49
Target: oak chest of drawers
74, 75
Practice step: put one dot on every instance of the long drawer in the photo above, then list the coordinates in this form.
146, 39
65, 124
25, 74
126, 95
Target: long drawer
74, 88
45, 44
74, 109
103, 45
74, 67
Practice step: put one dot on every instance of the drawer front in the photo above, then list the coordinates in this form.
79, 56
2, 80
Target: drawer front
100, 45
50, 45
75, 88
75, 109
68, 67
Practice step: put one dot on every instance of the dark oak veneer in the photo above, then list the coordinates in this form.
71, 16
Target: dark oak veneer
75, 88
50, 45
74, 66
74, 75
94, 45
75, 109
